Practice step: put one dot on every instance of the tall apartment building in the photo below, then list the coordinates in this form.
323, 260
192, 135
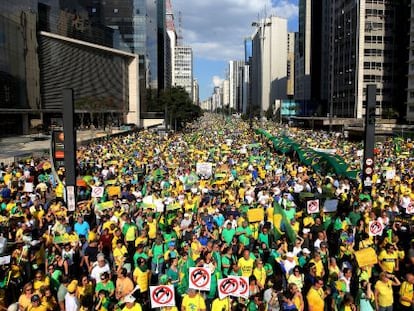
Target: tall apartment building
410, 88
236, 69
196, 92
183, 68
368, 46
226, 93
308, 52
269, 62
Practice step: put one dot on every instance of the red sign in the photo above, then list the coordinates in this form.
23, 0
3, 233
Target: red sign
162, 296
375, 228
200, 278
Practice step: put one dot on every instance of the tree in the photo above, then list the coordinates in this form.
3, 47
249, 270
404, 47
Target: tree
179, 107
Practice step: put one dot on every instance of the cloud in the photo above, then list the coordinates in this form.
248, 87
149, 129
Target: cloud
216, 29
217, 81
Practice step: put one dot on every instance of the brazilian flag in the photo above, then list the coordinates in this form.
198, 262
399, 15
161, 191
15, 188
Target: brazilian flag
281, 224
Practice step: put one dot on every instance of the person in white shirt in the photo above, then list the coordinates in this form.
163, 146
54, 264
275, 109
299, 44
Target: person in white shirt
99, 268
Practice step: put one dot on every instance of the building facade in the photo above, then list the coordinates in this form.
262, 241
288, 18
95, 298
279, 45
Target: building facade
236, 70
269, 62
38, 37
368, 46
290, 91
183, 68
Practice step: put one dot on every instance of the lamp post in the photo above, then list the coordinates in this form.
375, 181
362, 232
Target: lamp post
260, 25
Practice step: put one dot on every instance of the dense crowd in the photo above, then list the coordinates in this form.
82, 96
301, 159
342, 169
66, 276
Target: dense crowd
146, 213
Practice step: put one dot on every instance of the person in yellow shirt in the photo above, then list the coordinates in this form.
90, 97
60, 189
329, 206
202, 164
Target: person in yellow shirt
119, 253
131, 304
384, 296
388, 259
246, 263
152, 227
221, 304
260, 273
193, 301
40, 280
141, 276
317, 260
316, 296
406, 293
36, 304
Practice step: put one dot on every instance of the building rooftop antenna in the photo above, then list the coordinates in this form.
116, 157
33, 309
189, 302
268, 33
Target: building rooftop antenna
180, 29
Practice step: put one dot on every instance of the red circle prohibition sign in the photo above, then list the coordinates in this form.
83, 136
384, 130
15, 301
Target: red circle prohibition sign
229, 286
162, 295
244, 286
200, 277
375, 227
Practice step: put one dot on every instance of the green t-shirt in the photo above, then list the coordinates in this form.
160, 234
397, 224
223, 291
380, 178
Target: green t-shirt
137, 256
245, 237
109, 287
264, 238
227, 235
158, 250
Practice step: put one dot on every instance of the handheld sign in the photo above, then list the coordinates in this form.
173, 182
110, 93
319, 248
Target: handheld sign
97, 192
375, 228
200, 278
243, 290
162, 296
228, 287
312, 206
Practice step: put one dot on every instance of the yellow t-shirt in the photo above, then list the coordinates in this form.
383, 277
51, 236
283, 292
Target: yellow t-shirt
195, 303
406, 290
260, 275
246, 266
152, 229
221, 304
385, 297
119, 253
315, 299
141, 279
319, 267
135, 307
388, 260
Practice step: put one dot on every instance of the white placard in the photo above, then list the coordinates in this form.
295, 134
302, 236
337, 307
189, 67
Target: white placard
390, 174
162, 296
375, 228
312, 206
204, 169
28, 187
199, 278
97, 192
70, 198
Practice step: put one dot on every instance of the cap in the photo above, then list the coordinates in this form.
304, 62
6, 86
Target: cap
306, 251
72, 286
129, 298
306, 230
186, 215
171, 244
289, 255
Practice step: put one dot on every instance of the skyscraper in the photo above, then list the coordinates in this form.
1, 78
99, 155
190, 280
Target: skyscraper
269, 62
368, 46
183, 68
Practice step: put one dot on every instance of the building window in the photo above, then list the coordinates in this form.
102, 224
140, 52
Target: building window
411, 94
93, 10
116, 11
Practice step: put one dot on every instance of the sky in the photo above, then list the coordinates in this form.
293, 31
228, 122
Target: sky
215, 29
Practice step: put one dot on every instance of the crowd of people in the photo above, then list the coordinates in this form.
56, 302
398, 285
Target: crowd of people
151, 206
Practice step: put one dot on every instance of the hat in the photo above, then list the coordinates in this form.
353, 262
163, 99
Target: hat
125, 201
129, 298
171, 244
306, 251
306, 230
289, 255
72, 286
35, 298
186, 215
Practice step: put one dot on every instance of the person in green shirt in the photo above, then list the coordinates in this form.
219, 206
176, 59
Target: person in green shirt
244, 233
105, 284
264, 237
157, 261
228, 233
139, 253
227, 259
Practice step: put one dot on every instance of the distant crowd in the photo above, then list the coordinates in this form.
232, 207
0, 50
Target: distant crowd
217, 196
